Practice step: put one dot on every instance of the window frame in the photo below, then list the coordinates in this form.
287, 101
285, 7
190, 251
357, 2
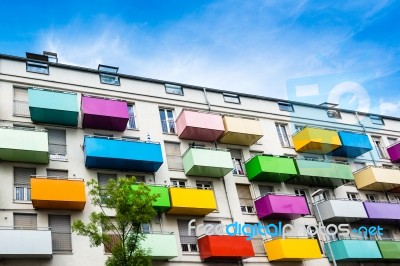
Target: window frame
176, 89
133, 117
104, 75
38, 65
203, 185
226, 97
178, 181
286, 107
167, 119
333, 111
351, 194
283, 128
377, 120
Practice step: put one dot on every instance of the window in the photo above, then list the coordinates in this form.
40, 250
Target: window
108, 75
231, 98
59, 174
265, 189
284, 106
138, 178
204, 185
174, 157
60, 226
297, 128
178, 183
188, 242
146, 228
57, 144
21, 103
353, 196
245, 199
36, 67
103, 180
372, 198
132, 119
25, 221
376, 119
22, 183
281, 129
23, 127
380, 150
392, 141
321, 196
333, 113
397, 199
167, 121
173, 89
237, 161
359, 165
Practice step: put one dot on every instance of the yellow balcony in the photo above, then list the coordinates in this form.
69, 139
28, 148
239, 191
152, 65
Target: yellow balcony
241, 131
316, 140
49, 193
292, 249
191, 201
377, 178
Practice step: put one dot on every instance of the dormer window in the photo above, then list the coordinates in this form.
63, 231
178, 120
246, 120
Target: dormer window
108, 75
37, 63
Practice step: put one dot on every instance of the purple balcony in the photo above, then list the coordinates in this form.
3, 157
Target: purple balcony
394, 152
104, 114
382, 212
281, 207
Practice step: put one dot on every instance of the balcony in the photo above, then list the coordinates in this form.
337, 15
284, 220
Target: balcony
104, 114
25, 244
394, 152
53, 107
353, 145
316, 140
270, 168
162, 203
122, 154
24, 145
199, 126
382, 212
163, 245
65, 194
322, 173
389, 249
292, 249
241, 131
191, 201
377, 178
353, 250
281, 207
199, 161
340, 210
221, 247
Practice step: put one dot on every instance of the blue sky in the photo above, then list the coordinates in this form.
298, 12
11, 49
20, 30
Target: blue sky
314, 51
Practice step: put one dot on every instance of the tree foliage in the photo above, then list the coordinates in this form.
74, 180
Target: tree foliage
122, 233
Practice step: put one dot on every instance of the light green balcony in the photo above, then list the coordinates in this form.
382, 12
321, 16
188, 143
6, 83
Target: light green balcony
53, 107
199, 161
163, 246
389, 249
23, 145
322, 173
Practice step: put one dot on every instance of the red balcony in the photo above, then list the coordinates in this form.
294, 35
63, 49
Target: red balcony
222, 247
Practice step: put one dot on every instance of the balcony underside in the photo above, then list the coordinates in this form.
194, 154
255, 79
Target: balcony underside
121, 164
24, 156
51, 116
354, 250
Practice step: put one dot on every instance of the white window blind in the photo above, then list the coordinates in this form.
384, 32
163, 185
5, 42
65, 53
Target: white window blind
57, 143
104, 178
173, 153
60, 174
25, 221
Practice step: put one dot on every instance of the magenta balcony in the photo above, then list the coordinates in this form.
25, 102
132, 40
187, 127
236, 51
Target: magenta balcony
199, 126
104, 114
281, 206
394, 152
382, 212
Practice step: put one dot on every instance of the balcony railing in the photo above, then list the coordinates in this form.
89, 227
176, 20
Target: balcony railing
61, 242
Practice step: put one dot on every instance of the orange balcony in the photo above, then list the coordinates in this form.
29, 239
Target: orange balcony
66, 194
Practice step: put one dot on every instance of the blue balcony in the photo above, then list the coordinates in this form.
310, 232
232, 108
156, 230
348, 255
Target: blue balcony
353, 145
122, 154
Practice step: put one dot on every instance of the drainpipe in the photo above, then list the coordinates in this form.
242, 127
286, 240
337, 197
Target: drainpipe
205, 96
365, 131
227, 198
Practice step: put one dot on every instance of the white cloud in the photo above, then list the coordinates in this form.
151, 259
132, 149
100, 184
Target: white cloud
389, 108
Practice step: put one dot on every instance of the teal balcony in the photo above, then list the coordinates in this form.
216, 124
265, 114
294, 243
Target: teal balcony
23, 145
353, 250
163, 245
322, 173
198, 161
53, 107
122, 154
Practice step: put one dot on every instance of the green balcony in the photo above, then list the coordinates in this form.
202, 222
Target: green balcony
163, 203
322, 173
163, 246
23, 145
198, 161
389, 249
270, 168
53, 107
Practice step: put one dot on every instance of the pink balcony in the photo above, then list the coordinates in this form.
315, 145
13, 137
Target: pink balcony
200, 126
104, 114
394, 152
281, 206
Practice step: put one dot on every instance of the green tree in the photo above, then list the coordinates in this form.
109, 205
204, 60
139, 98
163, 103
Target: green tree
121, 234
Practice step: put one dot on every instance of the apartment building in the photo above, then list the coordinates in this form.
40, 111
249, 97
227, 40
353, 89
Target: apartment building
214, 156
